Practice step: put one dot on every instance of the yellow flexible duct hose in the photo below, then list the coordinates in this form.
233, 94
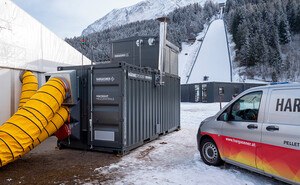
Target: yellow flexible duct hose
29, 122
29, 87
57, 121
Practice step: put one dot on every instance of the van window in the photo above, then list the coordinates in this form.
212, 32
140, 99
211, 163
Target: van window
245, 108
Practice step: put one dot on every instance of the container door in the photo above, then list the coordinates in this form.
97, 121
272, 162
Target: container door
242, 132
107, 108
280, 151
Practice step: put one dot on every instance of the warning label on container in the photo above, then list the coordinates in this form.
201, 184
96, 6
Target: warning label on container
139, 76
105, 79
120, 55
101, 97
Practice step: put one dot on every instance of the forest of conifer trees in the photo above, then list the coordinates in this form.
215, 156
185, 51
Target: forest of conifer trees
266, 34
185, 23
266, 37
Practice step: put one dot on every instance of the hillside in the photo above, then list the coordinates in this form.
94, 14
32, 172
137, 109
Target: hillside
185, 23
145, 10
266, 35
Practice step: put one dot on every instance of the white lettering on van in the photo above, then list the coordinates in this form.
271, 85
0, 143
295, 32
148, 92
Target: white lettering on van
240, 142
289, 105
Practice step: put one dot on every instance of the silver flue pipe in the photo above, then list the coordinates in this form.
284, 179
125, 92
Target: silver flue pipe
162, 43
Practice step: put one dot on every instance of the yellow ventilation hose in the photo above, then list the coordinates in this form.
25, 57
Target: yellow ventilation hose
57, 121
32, 121
30, 84
29, 87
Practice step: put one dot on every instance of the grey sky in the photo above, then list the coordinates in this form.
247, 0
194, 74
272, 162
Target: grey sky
67, 18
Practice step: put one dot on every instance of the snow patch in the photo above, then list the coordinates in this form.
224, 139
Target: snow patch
174, 159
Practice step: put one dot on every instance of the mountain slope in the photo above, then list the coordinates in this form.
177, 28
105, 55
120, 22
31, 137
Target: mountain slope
145, 10
185, 23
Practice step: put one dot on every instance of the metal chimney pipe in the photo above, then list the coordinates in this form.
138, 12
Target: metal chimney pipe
162, 43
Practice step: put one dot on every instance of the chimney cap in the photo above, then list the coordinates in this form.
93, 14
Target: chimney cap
163, 19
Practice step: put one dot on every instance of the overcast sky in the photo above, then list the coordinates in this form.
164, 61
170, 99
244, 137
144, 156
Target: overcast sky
67, 18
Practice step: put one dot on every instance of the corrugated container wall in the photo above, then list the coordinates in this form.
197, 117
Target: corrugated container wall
209, 92
144, 52
128, 107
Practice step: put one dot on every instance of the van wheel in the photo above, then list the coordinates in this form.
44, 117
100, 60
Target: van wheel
210, 153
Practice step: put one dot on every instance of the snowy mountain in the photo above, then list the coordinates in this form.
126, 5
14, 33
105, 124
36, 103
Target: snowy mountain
145, 10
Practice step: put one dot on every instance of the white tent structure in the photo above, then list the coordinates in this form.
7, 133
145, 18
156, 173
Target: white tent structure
27, 44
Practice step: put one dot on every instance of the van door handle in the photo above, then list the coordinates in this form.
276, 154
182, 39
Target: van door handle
272, 128
252, 126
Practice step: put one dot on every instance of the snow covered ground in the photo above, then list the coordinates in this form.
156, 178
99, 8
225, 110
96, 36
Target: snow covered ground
213, 59
174, 159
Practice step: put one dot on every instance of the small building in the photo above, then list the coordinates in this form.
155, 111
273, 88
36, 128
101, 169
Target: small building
222, 5
209, 92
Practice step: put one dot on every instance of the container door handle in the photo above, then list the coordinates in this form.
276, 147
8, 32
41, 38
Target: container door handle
252, 126
272, 128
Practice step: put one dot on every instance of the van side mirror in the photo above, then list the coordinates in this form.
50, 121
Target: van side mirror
224, 117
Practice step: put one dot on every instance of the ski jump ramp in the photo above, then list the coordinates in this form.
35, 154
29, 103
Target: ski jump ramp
213, 60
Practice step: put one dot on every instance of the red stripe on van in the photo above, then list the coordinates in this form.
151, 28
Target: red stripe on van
274, 160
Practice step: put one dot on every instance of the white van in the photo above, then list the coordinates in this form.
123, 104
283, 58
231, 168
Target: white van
259, 130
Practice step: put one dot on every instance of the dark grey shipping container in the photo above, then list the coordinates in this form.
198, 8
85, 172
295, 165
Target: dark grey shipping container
191, 93
136, 51
143, 51
129, 109
209, 92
